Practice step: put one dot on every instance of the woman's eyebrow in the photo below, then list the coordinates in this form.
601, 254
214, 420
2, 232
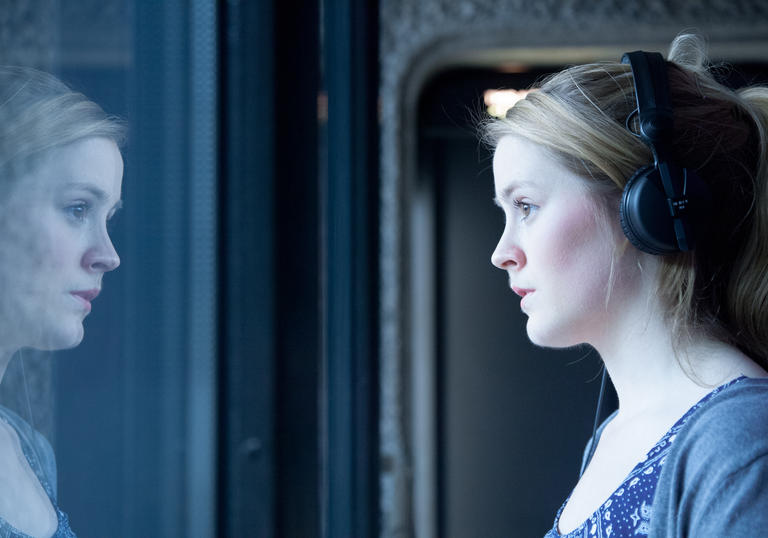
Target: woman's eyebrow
96, 192
93, 190
506, 193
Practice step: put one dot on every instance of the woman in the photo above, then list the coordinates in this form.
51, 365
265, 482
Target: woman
60, 182
680, 320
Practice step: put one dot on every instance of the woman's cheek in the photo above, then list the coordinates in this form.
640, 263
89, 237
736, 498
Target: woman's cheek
576, 241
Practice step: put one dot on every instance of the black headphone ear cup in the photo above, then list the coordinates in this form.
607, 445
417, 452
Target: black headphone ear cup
644, 215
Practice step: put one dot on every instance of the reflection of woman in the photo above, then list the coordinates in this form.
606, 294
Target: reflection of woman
683, 333
60, 181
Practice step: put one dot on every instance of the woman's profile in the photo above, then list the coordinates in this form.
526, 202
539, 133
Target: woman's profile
60, 182
636, 205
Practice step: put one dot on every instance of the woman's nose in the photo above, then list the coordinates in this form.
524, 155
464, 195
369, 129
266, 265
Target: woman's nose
508, 255
101, 257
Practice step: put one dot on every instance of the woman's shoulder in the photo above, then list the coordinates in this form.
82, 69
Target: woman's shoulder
731, 424
35, 446
712, 480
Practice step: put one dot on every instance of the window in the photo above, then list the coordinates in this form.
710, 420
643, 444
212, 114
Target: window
227, 378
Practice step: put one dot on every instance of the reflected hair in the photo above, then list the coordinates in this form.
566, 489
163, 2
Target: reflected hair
580, 115
38, 113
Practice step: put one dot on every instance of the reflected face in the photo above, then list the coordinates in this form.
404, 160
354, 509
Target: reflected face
555, 248
54, 245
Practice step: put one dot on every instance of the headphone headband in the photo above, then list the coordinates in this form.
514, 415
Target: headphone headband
654, 107
656, 208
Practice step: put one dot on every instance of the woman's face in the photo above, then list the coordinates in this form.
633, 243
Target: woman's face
54, 245
555, 247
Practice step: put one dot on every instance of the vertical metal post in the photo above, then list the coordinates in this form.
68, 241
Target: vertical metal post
350, 67
201, 314
247, 307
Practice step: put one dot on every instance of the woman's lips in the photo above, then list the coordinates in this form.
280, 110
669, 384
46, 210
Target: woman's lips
522, 292
84, 297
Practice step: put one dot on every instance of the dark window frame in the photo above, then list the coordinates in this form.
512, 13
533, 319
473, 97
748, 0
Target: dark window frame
298, 312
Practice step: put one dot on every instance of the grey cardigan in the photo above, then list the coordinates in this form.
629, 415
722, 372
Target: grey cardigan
715, 480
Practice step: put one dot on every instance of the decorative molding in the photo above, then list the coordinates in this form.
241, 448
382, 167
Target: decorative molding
28, 32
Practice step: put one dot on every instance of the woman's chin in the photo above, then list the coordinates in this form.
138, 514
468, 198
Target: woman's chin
550, 336
64, 338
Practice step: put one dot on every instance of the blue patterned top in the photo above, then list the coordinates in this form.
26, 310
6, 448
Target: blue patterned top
627, 512
40, 457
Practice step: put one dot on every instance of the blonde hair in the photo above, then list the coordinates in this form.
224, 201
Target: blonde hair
579, 114
38, 112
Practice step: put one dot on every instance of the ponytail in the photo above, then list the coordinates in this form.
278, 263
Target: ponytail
747, 296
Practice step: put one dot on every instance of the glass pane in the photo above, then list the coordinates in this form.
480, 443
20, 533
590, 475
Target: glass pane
107, 401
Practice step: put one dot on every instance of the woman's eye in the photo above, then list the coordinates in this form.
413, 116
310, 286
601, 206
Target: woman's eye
525, 208
78, 211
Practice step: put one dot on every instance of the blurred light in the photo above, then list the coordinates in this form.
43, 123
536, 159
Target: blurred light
322, 107
512, 67
499, 101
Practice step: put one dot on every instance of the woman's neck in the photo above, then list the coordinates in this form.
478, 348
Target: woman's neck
654, 373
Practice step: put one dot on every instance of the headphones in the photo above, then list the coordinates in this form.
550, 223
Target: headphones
663, 205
